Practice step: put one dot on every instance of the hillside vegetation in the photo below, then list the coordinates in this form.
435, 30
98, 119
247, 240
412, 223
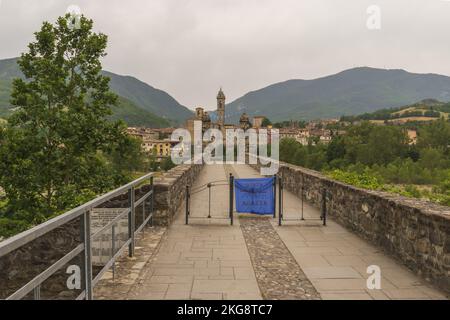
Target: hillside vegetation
425, 110
381, 158
350, 92
139, 104
136, 117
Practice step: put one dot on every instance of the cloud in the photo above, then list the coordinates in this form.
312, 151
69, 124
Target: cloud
190, 48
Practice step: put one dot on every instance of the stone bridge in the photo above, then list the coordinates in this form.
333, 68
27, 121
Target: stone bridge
255, 258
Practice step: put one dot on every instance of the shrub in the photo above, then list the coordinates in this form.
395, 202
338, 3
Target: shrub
10, 227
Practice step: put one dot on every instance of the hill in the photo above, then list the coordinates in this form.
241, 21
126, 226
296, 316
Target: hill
139, 104
148, 98
135, 116
425, 110
350, 92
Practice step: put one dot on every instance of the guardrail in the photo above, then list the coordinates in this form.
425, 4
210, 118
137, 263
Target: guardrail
83, 213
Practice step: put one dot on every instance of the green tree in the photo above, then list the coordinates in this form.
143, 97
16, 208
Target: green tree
51, 155
126, 157
336, 149
167, 164
385, 144
433, 159
435, 135
266, 122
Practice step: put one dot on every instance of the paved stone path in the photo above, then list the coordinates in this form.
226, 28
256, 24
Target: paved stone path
120, 283
278, 274
336, 260
209, 259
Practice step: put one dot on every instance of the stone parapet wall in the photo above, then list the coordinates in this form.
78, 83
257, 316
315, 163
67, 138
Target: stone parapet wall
415, 232
170, 192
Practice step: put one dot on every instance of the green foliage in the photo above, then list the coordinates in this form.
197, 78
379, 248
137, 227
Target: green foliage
288, 124
266, 122
138, 105
153, 163
362, 180
167, 164
10, 227
125, 158
380, 158
371, 144
148, 98
310, 156
350, 92
134, 116
58, 149
425, 108
435, 135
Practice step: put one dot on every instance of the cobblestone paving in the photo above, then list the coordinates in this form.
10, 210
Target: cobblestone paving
278, 274
335, 260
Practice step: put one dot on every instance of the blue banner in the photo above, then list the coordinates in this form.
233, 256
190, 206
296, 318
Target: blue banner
255, 195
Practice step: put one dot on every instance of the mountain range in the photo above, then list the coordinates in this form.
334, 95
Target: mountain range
351, 92
139, 104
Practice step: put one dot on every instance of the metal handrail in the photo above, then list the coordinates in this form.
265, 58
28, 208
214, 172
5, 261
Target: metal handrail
111, 223
23, 238
40, 278
208, 185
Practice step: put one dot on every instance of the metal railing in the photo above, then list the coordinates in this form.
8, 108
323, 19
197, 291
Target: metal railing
325, 197
208, 186
83, 213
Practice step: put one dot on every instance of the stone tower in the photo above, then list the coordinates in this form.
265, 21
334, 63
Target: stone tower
221, 109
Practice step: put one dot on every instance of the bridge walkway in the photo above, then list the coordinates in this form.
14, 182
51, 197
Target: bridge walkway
209, 259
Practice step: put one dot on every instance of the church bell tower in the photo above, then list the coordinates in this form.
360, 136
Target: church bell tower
221, 109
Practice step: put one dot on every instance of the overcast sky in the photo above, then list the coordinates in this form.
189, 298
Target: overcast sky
190, 48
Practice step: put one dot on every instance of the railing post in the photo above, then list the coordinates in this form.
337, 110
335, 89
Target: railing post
131, 219
324, 206
280, 200
113, 249
87, 255
274, 196
231, 206
187, 204
152, 187
37, 292
303, 196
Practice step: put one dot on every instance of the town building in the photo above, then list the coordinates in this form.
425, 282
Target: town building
154, 141
203, 116
258, 121
159, 148
244, 122
412, 135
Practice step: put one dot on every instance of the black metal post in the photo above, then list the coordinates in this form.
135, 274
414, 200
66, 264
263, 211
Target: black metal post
303, 196
274, 196
324, 207
280, 200
187, 205
231, 206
